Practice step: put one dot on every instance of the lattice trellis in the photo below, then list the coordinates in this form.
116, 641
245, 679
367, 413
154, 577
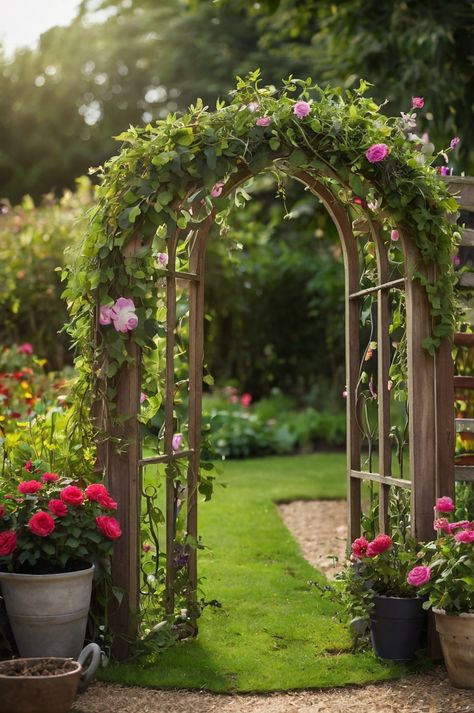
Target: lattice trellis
429, 403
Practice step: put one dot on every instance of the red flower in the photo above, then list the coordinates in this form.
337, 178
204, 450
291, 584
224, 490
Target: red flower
29, 487
29, 466
109, 526
359, 547
58, 508
107, 502
380, 544
95, 491
41, 524
49, 477
246, 400
7, 542
72, 495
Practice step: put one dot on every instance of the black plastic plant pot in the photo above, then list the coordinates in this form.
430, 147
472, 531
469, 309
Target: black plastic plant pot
398, 627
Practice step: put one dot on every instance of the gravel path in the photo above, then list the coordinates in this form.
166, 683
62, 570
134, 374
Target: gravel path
430, 693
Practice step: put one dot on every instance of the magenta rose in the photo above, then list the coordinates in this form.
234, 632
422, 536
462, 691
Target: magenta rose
464, 536
444, 504
263, 121
417, 102
359, 547
378, 545
377, 152
302, 109
105, 315
441, 523
58, 508
29, 487
41, 524
419, 576
109, 526
49, 477
7, 542
72, 495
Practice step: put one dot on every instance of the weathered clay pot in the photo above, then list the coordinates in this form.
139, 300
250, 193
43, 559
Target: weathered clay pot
48, 612
46, 694
457, 641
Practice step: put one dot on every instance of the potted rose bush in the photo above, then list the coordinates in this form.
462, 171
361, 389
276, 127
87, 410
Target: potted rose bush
376, 593
446, 578
54, 535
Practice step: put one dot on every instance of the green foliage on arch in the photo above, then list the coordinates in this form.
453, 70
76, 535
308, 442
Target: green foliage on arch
175, 174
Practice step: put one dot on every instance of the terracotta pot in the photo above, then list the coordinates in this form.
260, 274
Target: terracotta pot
48, 612
457, 641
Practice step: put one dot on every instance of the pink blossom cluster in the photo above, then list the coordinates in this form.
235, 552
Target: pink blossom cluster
361, 547
121, 314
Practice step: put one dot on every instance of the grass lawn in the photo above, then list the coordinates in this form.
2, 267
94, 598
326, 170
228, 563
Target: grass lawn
273, 632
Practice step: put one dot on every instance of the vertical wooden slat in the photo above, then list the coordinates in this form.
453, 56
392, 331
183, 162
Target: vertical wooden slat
445, 433
383, 367
421, 398
196, 356
169, 422
352, 317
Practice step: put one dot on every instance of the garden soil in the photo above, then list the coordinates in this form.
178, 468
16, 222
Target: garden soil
323, 548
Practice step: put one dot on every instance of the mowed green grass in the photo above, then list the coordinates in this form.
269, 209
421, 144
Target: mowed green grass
274, 630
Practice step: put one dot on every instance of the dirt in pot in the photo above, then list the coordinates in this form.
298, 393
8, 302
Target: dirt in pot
41, 667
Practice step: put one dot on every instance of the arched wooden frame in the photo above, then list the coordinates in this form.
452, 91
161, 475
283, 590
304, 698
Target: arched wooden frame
429, 400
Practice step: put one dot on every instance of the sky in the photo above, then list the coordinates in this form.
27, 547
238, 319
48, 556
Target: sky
23, 21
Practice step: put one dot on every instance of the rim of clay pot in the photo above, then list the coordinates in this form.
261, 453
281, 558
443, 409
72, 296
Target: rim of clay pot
56, 575
464, 614
26, 661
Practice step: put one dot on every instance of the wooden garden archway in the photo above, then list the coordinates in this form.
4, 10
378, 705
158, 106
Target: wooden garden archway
168, 186
430, 403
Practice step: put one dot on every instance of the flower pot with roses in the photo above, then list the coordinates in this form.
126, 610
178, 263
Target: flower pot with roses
445, 577
377, 596
55, 536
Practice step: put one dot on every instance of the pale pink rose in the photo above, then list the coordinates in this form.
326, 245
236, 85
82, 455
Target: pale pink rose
263, 121
123, 315
417, 102
105, 315
419, 576
394, 235
177, 441
444, 504
217, 189
253, 106
143, 397
377, 152
301, 109
162, 259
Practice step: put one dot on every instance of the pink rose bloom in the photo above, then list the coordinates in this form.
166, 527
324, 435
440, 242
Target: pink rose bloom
464, 536
444, 504
419, 576
454, 142
29, 466
394, 235
177, 441
378, 545
301, 109
72, 495
377, 152
27, 348
41, 524
143, 397
7, 542
217, 189
417, 102
263, 121
109, 526
246, 400
460, 525
49, 477
359, 547
95, 491
105, 315
58, 508
123, 315
441, 523
162, 259
29, 487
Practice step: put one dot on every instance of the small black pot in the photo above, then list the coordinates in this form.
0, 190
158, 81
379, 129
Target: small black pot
398, 627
